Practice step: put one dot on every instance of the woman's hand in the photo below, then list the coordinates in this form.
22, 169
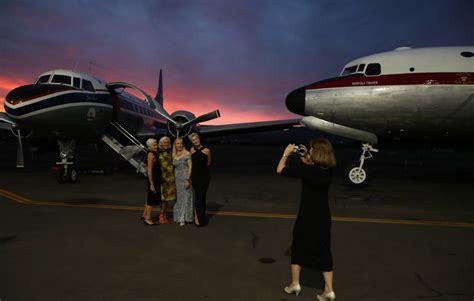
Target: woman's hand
303, 150
152, 188
187, 184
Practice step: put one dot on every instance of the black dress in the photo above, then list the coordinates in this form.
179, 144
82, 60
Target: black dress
200, 179
154, 198
311, 245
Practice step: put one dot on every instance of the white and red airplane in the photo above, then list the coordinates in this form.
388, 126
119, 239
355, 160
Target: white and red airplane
422, 94
69, 107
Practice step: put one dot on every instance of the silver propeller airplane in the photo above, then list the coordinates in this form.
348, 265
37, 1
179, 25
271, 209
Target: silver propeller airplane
405, 95
71, 107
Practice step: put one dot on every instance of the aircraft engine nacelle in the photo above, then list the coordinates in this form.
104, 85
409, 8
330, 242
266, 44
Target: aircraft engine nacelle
181, 128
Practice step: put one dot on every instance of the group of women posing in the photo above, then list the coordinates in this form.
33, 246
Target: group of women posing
177, 175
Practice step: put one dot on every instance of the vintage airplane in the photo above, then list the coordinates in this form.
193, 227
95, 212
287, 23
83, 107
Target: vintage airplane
414, 95
70, 106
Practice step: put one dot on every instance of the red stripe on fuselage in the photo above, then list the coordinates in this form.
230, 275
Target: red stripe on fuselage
26, 99
453, 78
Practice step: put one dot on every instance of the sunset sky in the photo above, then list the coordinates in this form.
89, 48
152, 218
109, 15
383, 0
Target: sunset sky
242, 57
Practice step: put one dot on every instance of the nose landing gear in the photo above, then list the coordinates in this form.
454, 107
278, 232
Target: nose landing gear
67, 170
355, 174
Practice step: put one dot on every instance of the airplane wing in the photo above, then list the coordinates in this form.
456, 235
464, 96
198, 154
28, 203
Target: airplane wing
250, 127
228, 129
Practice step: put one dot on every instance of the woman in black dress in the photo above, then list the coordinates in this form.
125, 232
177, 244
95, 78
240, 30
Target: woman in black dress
200, 178
153, 180
311, 246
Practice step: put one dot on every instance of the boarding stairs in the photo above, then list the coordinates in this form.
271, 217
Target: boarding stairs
134, 153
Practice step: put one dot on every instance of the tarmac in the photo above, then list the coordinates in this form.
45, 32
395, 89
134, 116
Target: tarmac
406, 236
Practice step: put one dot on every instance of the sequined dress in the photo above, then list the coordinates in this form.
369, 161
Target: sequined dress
183, 209
168, 185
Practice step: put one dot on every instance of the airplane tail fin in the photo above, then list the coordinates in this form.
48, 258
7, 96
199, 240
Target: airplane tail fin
159, 93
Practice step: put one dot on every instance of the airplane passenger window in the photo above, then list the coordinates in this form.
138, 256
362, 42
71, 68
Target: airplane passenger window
43, 79
61, 79
349, 70
76, 82
373, 69
87, 85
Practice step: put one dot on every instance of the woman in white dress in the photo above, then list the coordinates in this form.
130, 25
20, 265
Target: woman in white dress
183, 211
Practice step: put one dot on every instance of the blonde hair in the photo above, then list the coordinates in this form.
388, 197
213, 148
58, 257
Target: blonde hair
192, 135
322, 154
150, 141
185, 151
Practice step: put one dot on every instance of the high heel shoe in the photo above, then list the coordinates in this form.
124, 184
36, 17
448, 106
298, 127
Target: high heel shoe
147, 224
162, 219
327, 297
293, 289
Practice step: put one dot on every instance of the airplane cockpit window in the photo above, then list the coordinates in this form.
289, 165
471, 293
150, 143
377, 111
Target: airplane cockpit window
373, 69
61, 79
349, 70
76, 82
43, 79
87, 85
361, 68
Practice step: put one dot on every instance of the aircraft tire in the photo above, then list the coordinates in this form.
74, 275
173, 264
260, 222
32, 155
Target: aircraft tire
355, 176
72, 175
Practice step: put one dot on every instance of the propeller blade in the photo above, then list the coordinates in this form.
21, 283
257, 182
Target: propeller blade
206, 117
19, 152
160, 110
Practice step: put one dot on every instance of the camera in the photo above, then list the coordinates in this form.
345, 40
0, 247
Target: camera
299, 150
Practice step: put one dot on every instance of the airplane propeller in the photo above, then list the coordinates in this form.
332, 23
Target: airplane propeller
157, 104
205, 117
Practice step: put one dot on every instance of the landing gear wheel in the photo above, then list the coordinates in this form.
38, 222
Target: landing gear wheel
67, 174
356, 176
73, 175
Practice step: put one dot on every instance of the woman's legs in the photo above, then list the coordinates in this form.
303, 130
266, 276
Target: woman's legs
200, 192
328, 276
163, 219
147, 214
295, 275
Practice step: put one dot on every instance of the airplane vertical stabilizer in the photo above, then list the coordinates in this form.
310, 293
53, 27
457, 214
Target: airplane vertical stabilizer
159, 94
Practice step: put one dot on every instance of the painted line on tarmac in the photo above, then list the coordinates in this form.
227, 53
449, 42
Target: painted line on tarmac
23, 200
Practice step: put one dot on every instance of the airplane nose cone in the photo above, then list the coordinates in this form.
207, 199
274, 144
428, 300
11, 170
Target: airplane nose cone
27, 92
295, 101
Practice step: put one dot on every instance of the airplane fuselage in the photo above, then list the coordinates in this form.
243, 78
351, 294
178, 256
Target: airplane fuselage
78, 112
418, 93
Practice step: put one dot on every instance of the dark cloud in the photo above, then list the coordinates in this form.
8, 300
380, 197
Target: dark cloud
244, 55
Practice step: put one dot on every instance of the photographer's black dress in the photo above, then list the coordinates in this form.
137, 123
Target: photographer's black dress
311, 245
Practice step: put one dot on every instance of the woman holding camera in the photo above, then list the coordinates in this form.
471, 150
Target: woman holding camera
311, 246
